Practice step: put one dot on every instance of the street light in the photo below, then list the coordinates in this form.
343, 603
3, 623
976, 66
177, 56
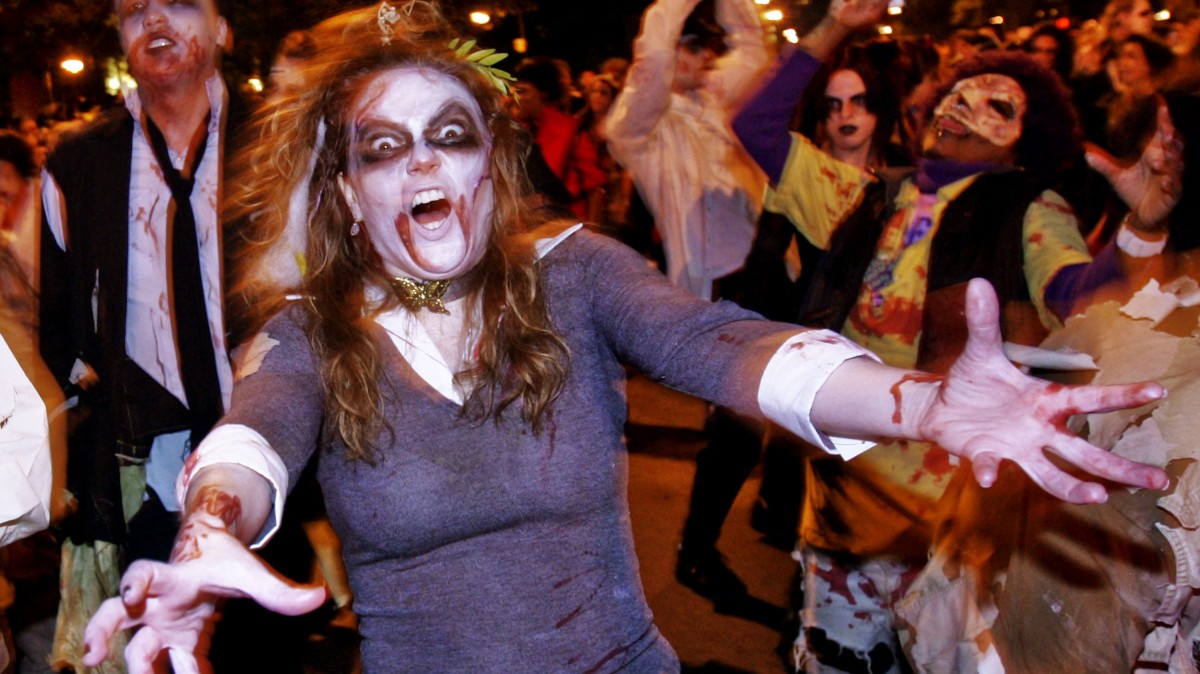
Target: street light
72, 65
480, 18
773, 15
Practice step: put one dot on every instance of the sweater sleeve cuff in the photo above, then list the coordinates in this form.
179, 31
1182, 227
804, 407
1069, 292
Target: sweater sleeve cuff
792, 378
241, 445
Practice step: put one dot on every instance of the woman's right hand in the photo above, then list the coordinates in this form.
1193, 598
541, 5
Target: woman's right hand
173, 603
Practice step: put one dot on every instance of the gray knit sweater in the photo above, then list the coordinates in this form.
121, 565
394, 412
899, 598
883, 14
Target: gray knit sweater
482, 547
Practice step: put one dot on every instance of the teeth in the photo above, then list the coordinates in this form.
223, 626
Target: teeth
159, 43
427, 196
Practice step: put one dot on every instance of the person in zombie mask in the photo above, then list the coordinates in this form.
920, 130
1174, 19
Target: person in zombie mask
900, 250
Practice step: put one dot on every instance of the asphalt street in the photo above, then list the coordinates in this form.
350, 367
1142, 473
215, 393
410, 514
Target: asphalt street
664, 435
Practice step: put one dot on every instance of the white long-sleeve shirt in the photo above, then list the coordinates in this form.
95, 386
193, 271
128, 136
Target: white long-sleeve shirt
149, 326
703, 189
25, 467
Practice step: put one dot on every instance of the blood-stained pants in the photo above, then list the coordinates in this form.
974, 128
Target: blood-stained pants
847, 623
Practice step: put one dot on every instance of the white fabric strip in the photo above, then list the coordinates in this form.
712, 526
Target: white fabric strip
792, 378
415, 346
235, 443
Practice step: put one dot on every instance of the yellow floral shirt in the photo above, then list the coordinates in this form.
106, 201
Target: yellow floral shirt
882, 501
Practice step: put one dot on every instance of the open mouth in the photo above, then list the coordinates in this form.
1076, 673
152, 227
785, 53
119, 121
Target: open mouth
947, 125
847, 129
430, 207
160, 42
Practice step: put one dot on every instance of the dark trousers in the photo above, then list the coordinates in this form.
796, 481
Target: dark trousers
721, 469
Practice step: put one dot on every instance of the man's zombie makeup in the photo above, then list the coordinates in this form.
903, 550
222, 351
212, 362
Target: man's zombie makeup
165, 39
417, 174
988, 105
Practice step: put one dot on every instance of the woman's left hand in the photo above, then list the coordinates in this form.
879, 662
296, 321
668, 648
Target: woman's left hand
987, 410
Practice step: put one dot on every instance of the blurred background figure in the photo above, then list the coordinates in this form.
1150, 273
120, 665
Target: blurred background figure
693, 64
20, 208
28, 566
1053, 48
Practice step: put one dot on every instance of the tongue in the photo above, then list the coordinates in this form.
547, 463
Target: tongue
432, 212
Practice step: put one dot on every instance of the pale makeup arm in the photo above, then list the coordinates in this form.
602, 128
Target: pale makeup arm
173, 604
987, 411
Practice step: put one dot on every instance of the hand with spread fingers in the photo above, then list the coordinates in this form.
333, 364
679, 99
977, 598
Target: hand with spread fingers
1153, 184
173, 604
988, 411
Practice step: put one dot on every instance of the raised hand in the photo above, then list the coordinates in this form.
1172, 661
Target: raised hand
856, 14
1152, 185
173, 604
986, 410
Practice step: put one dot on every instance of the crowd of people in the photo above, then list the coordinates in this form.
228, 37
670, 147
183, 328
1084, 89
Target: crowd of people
357, 347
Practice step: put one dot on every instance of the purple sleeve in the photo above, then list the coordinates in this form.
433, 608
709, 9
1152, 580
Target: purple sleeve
762, 124
1078, 280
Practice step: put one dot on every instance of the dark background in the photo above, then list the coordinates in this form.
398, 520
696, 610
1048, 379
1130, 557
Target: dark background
35, 35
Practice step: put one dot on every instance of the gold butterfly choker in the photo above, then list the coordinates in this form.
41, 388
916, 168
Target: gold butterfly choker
416, 295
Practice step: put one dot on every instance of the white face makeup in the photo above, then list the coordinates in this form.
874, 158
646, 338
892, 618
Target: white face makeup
988, 105
164, 39
849, 125
418, 173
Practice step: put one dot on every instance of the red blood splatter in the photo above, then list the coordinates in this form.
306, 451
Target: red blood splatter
189, 466
936, 462
219, 503
838, 582
919, 377
1053, 205
1036, 238
906, 580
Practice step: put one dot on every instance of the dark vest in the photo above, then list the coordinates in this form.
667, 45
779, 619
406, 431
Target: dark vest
979, 236
123, 413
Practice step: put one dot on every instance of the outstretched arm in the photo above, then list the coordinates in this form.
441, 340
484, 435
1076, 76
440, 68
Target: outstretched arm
173, 603
987, 411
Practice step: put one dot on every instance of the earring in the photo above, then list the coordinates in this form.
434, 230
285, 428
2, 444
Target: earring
355, 228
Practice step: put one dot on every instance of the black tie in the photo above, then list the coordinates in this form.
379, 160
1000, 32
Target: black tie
197, 362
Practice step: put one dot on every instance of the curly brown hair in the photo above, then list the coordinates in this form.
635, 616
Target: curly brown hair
283, 198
